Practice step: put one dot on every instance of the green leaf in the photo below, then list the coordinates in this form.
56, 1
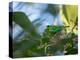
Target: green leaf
24, 45
22, 20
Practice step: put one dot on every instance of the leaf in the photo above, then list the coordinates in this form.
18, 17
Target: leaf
70, 12
21, 19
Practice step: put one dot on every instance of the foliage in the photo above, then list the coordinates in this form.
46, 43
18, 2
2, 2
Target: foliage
53, 39
70, 13
71, 16
49, 43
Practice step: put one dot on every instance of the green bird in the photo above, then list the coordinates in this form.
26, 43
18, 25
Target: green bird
54, 29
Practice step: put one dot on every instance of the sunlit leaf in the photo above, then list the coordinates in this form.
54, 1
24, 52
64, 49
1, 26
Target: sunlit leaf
70, 12
70, 15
